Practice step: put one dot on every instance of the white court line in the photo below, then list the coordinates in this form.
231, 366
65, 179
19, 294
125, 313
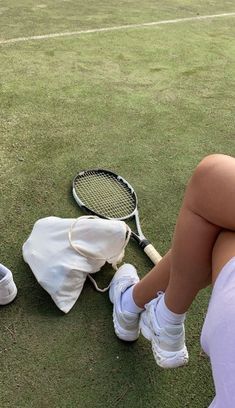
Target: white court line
122, 27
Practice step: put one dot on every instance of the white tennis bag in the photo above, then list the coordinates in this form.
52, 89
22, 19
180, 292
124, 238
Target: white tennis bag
63, 252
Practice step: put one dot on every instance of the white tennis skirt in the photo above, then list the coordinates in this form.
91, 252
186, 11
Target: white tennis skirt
218, 336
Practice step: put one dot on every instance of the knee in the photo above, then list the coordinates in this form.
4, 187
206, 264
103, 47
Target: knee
208, 164
206, 170
204, 180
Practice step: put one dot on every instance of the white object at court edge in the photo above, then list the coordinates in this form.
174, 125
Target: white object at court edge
63, 252
8, 290
126, 324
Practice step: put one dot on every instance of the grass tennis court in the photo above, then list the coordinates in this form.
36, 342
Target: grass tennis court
145, 102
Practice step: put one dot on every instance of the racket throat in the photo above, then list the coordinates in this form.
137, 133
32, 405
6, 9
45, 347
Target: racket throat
142, 242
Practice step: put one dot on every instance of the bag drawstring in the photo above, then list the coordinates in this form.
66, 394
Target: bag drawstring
88, 255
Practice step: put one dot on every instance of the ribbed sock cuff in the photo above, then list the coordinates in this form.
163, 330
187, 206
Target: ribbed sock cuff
166, 317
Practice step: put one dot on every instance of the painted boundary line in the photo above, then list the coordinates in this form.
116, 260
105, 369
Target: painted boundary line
115, 28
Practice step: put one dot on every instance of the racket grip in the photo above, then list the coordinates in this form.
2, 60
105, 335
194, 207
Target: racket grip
152, 253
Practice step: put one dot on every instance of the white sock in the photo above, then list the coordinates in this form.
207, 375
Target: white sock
166, 317
128, 303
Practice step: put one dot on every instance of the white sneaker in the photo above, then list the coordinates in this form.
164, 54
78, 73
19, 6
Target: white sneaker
168, 343
126, 324
8, 290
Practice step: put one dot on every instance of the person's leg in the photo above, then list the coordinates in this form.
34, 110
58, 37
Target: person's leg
218, 331
223, 251
208, 207
155, 281
201, 218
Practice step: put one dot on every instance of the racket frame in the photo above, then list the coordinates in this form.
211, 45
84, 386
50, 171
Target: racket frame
139, 238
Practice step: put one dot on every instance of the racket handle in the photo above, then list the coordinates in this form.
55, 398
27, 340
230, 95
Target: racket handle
152, 253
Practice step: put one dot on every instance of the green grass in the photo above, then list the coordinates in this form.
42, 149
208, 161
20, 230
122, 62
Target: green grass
31, 17
148, 103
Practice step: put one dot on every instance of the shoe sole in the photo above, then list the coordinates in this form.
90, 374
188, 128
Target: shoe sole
164, 359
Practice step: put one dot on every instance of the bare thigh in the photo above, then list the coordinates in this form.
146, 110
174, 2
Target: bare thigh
223, 251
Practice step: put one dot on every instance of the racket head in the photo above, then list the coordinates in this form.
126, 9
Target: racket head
105, 194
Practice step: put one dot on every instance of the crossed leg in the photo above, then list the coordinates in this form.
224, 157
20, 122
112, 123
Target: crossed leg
208, 208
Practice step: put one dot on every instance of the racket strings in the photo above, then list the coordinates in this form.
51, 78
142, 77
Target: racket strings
105, 194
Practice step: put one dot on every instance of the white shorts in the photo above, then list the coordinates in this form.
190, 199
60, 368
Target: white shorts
218, 336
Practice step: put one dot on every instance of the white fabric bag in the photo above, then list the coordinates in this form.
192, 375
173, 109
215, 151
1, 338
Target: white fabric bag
63, 252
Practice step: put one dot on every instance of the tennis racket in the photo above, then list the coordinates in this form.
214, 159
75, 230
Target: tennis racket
107, 195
